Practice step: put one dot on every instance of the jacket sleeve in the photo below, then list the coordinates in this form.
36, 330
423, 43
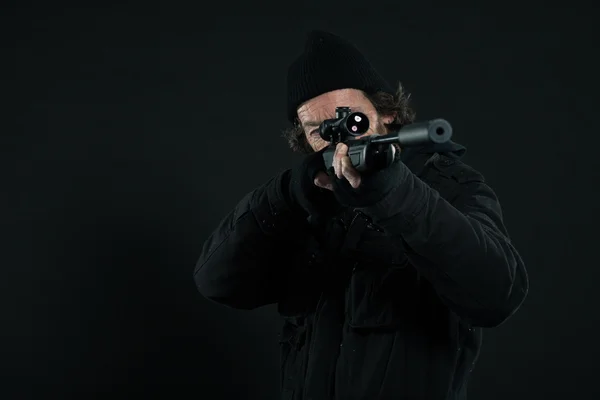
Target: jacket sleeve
462, 247
244, 259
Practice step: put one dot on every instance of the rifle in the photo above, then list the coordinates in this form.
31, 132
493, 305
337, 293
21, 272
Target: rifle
376, 151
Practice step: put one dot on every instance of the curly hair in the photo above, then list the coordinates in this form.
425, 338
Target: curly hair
385, 104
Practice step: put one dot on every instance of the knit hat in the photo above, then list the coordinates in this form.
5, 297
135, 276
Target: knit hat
329, 63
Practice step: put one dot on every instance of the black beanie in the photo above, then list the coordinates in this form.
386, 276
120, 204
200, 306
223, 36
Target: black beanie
329, 63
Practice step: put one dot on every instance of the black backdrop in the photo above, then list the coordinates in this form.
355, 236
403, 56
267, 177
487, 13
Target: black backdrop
130, 130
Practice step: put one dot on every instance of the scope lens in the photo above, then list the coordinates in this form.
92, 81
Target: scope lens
357, 124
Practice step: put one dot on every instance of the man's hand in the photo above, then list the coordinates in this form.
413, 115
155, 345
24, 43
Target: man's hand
303, 195
353, 189
343, 168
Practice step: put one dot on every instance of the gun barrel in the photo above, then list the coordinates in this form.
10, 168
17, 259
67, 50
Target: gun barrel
433, 131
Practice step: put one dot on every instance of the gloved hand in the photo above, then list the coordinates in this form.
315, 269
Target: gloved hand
305, 197
374, 186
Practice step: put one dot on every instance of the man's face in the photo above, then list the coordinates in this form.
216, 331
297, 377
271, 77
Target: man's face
320, 108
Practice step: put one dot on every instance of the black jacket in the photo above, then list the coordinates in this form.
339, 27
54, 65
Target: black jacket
385, 302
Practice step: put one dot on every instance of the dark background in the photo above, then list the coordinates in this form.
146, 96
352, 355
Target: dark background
130, 130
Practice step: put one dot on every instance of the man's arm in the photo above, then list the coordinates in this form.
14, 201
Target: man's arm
242, 262
462, 248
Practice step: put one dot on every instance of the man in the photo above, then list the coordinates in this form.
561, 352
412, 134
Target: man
384, 279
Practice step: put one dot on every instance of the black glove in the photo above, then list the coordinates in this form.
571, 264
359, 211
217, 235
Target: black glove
374, 186
305, 197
